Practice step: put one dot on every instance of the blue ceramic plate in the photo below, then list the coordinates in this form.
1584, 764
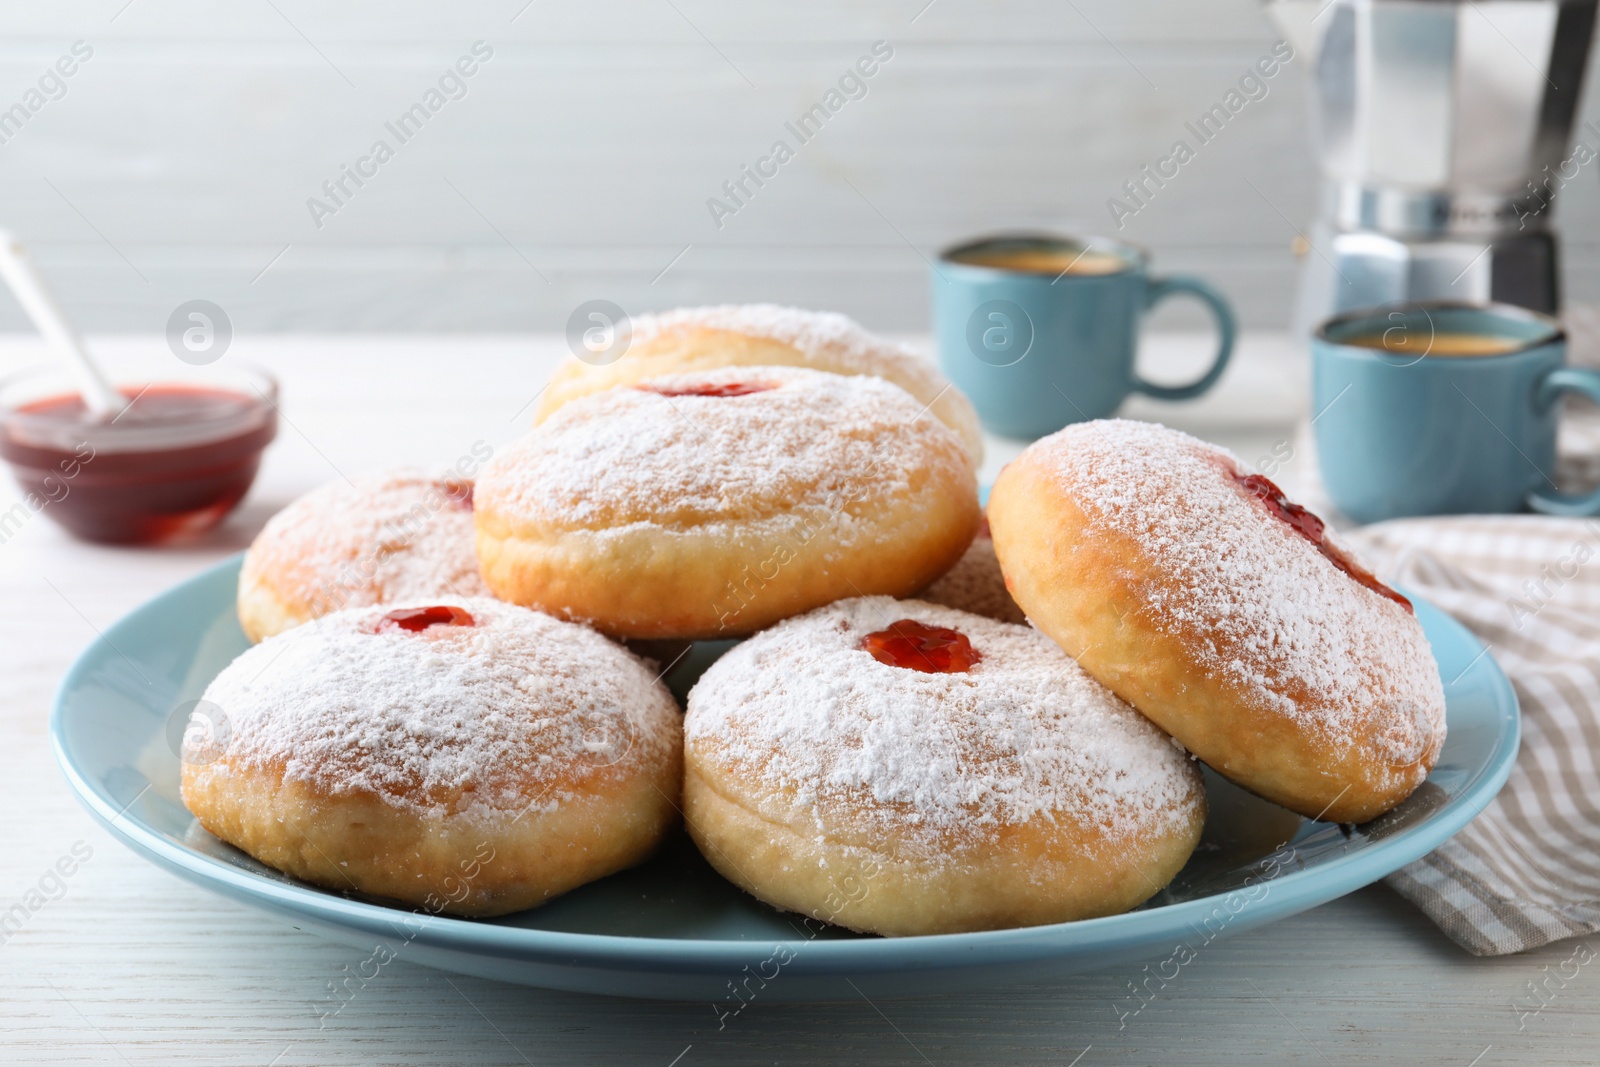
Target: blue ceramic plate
672, 928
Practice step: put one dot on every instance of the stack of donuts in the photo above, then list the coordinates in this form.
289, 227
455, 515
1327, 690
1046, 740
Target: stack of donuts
933, 720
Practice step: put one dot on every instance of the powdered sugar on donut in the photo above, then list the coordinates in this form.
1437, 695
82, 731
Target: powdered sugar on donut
1265, 610
1021, 735
451, 718
822, 335
976, 584
389, 536
815, 442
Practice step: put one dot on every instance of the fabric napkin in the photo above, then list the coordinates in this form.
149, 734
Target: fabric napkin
1526, 871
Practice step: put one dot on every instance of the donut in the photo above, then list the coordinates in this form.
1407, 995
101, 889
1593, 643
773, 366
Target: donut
395, 535
897, 767
713, 504
975, 583
1227, 614
460, 755
762, 335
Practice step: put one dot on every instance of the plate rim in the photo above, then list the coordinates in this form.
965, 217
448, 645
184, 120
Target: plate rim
1301, 889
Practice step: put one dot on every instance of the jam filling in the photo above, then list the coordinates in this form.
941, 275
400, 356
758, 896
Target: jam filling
415, 620
1313, 529
458, 493
929, 649
137, 491
731, 389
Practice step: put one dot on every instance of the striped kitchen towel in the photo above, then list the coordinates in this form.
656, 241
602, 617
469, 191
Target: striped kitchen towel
1527, 871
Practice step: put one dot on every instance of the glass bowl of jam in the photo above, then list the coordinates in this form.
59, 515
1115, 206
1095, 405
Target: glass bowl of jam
175, 462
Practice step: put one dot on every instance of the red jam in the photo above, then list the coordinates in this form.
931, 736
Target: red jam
415, 620
175, 461
929, 649
1313, 529
458, 493
731, 389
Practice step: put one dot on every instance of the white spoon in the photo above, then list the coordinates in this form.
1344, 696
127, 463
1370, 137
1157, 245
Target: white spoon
17, 268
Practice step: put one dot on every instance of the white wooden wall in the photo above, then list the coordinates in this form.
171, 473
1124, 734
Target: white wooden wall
178, 163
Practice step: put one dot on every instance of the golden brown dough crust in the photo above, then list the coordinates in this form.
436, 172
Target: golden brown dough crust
476, 770
692, 516
764, 335
976, 584
896, 802
385, 537
1139, 551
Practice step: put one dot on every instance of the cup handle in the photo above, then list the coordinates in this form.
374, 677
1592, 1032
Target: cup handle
1159, 290
1567, 380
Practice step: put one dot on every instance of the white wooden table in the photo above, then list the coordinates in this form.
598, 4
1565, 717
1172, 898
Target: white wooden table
132, 966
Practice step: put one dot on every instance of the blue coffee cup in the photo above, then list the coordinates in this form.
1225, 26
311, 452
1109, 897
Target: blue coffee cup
1443, 409
1041, 332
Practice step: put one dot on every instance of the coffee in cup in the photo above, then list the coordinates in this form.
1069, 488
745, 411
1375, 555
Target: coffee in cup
1042, 331
1033, 258
1403, 342
1443, 409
